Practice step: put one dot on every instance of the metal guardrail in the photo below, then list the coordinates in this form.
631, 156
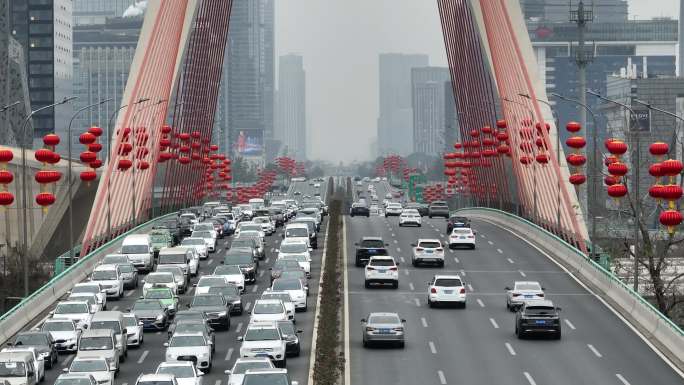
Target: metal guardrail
16, 317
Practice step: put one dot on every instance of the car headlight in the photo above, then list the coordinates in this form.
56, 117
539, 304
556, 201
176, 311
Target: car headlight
110, 361
222, 314
237, 302
44, 355
160, 317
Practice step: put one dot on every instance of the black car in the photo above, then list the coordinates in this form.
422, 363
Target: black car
281, 265
359, 209
232, 295
438, 209
244, 258
289, 333
186, 315
422, 209
456, 221
249, 243
215, 307
42, 342
277, 216
538, 317
152, 313
369, 247
185, 225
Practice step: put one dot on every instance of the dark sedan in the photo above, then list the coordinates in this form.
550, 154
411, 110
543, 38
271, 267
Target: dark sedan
359, 209
42, 342
368, 247
456, 221
215, 307
281, 265
232, 295
538, 317
152, 313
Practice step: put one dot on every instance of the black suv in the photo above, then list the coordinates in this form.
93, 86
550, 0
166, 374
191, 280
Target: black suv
369, 247
359, 209
538, 317
438, 209
456, 221
422, 209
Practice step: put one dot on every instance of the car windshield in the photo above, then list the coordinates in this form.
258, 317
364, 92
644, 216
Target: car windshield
191, 315
104, 275
448, 282
211, 281
225, 291
86, 289
240, 259
157, 238
155, 383
190, 327
540, 310
153, 304
429, 244
71, 308
296, 257
381, 262
182, 341
127, 268
159, 278
129, 321
294, 248
372, 243
287, 284
193, 242
261, 220
159, 294
170, 224
281, 296
250, 227
202, 234
169, 259
110, 325
266, 379
207, 300
73, 381
383, 319
242, 242
460, 231
286, 328
296, 232
227, 270
242, 367
135, 249
31, 340
282, 264
88, 366
12, 369
58, 326
204, 226
268, 308
527, 286
292, 274
262, 334
114, 259
184, 371
96, 343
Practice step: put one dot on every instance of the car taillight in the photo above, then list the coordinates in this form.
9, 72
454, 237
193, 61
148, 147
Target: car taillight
462, 290
540, 295
369, 329
419, 249
369, 268
398, 329
470, 236
439, 249
516, 295
393, 269
433, 291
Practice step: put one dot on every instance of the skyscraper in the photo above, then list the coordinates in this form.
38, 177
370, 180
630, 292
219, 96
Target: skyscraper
97, 11
428, 98
291, 106
395, 120
244, 121
44, 29
605, 11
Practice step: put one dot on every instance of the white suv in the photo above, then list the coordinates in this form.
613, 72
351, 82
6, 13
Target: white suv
382, 269
263, 339
393, 209
446, 289
428, 251
109, 277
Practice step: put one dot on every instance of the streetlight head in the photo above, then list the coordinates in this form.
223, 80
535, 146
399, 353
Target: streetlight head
68, 99
647, 104
524, 95
142, 100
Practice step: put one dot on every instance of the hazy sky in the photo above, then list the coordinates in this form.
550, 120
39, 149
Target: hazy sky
340, 41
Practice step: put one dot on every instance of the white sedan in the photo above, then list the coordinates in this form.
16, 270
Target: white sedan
95, 366
205, 282
393, 209
295, 288
184, 371
232, 274
190, 344
243, 364
268, 310
410, 217
521, 292
462, 236
446, 289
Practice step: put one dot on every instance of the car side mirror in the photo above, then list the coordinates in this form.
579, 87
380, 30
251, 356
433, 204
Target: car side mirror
397, 263
65, 370
140, 323
403, 321
310, 248
558, 309
166, 344
85, 326
187, 305
200, 373
128, 309
194, 285
363, 320
294, 383
507, 288
543, 288
300, 331
240, 338
356, 243
223, 262
141, 297
228, 372
414, 245
124, 331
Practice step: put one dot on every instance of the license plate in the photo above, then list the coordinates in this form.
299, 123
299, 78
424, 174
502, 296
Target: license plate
448, 292
385, 331
528, 296
261, 355
371, 251
540, 322
428, 251
383, 271
461, 237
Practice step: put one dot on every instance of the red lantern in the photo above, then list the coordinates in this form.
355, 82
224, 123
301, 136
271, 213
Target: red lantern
474, 144
618, 168
143, 165
487, 142
525, 159
659, 149
486, 130
573, 126
6, 177
526, 146
6, 156
196, 134
97, 163
671, 167
488, 153
501, 123
51, 140
502, 136
55, 158
449, 172
577, 179
184, 149
45, 199
164, 142
125, 148
655, 170
539, 142
214, 147
617, 190
474, 133
183, 160
670, 218
166, 129
656, 191
44, 155
164, 156
88, 176
184, 136
458, 145
546, 125
542, 158
97, 131
88, 156
48, 176
95, 147
576, 160
671, 192
126, 131
576, 142
616, 147
503, 149
610, 180
6, 198
124, 164
87, 138
611, 159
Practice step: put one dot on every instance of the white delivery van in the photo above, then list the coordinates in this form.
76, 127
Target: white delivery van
138, 248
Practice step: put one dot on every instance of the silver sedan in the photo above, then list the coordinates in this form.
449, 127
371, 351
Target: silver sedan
521, 292
383, 328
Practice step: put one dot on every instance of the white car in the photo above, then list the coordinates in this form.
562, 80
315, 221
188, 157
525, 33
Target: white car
77, 311
200, 245
285, 298
393, 208
303, 260
207, 281
88, 297
250, 226
160, 278
65, 332
410, 217
190, 345
521, 292
134, 329
232, 274
295, 288
265, 310
206, 226
382, 269
208, 238
264, 340
179, 276
93, 288
96, 366
267, 226
462, 236
109, 276
185, 372
241, 365
38, 362
446, 289
428, 251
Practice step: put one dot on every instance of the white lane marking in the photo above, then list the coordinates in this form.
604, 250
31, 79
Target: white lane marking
255, 288
463, 273
483, 236
500, 251
510, 260
479, 302
402, 259
456, 259
417, 301
267, 259
129, 293
238, 328
529, 378
398, 250
272, 249
395, 241
490, 242
570, 325
470, 287
143, 356
261, 273
68, 360
411, 286
406, 272
523, 273
622, 379
423, 321
432, 347
451, 251
493, 321
218, 382
594, 350
442, 379
247, 306
442, 235
229, 354
115, 307
314, 332
210, 262
510, 348
125, 383
436, 229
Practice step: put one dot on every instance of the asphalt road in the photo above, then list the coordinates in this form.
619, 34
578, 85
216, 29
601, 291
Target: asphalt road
146, 358
477, 345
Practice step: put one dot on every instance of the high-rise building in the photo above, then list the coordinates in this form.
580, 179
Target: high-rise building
103, 54
604, 11
97, 11
428, 98
452, 129
44, 29
244, 120
395, 120
290, 126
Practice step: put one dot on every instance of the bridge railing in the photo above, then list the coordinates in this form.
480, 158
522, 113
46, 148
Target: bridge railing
654, 324
16, 318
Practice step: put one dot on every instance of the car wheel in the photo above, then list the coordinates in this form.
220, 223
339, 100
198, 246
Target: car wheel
365, 343
122, 358
367, 284
395, 285
441, 264
521, 335
430, 216
121, 293
402, 344
414, 263
463, 305
557, 336
297, 352
430, 303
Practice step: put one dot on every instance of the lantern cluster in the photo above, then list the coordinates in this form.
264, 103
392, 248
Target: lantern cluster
124, 149
217, 174
6, 177
671, 191
165, 143
89, 156
617, 187
257, 190
542, 156
434, 192
47, 176
502, 137
287, 165
576, 159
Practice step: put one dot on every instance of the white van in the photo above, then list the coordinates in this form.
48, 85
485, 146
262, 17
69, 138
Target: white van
17, 368
256, 203
297, 231
139, 249
112, 320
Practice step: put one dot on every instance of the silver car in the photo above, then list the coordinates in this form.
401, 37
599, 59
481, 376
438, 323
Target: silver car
134, 329
383, 328
522, 292
130, 275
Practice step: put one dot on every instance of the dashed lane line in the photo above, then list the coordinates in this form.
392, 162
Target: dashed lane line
398, 250
217, 382
423, 321
67, 361
594, 350
229, 354
510, 261
470, 287
493, 321
267, 260
238, 329
490, 242
529, 378
406, 272
523, 273
432, 347
442, 379
402, 259
411, 286
417, 301
622, 379
456, 259
510, 349
479, 302
463, 273
500, 251
211, 261
115, 307
247, 306
570, 325
395, 241
255, 288
261, 273
143, 356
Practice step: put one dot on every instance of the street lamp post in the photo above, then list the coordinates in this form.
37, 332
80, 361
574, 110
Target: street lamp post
24, 192
637, 205
69, 182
